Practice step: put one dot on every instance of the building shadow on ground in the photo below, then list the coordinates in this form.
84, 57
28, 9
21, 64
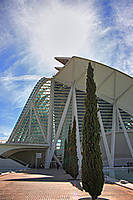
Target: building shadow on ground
37, 180
42, 175
51, 175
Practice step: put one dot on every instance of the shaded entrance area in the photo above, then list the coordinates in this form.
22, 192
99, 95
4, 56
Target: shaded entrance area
25, 154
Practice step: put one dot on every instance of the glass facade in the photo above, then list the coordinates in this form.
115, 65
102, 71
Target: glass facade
32, 125
60, 97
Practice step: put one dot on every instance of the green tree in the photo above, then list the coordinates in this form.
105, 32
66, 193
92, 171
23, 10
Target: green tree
92, 166
67, 152
73, 162
65, 155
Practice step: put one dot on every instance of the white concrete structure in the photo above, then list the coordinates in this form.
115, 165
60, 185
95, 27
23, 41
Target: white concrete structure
54, 102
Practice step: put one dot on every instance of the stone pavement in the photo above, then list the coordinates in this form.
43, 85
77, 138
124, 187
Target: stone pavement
52, 184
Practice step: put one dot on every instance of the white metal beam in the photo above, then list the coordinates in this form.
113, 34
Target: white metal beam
49, 158
75, 113
50, 121
113, 135
18, 124
39, 123
26, 108
113, 124
50, 114
104, 139
57, 160
125, 133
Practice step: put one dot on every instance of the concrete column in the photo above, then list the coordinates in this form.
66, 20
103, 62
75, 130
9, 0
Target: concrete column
49, 158
104, 139
75, 113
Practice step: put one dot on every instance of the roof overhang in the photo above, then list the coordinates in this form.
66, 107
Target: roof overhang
63, 60
112, 85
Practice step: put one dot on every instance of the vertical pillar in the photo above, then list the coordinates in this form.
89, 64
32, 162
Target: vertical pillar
113, 124
104, 139
39, 122
50, 114
125, 133
49, 158
75, 113
113, 135
50, 121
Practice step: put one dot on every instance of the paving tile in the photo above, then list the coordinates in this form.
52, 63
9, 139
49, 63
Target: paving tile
52, 184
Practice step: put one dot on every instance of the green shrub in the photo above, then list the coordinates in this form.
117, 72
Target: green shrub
73, 162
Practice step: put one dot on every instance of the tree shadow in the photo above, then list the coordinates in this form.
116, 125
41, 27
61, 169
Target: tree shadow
86, 198
76, 183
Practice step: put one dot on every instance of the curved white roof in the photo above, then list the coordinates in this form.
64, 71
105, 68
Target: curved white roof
112, 85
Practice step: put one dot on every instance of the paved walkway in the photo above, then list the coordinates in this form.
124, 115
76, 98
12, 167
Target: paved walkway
52, 184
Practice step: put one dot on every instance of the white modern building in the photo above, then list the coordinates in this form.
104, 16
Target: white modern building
54, 102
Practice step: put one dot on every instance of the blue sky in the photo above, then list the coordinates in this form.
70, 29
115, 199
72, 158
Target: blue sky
33, 32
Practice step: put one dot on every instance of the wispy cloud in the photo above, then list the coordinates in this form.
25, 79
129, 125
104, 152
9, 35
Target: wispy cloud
17, 89
33, 32
41, 31
4, 132
44, 29
123, 15
52, 28
21, 78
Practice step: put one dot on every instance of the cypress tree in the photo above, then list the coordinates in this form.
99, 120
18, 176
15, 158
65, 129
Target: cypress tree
65, 155
92, 166
73, 165
68, 152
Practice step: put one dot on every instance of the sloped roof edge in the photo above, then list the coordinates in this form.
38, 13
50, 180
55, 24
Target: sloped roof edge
76, 68
63, 60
